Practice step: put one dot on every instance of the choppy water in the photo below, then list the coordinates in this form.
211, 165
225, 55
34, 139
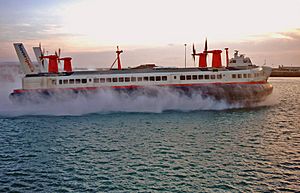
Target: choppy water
185, 149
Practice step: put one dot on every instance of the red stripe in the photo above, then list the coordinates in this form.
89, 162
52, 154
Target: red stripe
134, 86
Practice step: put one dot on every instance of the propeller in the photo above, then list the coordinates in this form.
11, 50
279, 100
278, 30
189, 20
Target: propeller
58, 55
42, 53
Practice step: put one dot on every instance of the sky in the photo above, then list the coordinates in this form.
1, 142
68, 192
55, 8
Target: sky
153, 31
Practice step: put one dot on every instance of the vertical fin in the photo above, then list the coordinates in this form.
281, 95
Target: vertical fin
26, 64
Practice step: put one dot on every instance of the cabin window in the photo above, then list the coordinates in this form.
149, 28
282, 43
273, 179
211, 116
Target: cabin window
140, 79
65, 81
133, 79
239, 75
60, 81
84, 81
54, 82
182, 77
175, 77
71, 81
121, 79
151, 78
188, 77
102, 80
157, 78
233, 61
249, 75
206, 76
96, 80
115, 79
200, 77
244, 75
77, 81
194, 77
213, 76
164, 78
146, 78
219, 76
233, 75
90, 80
108, 79
127, 79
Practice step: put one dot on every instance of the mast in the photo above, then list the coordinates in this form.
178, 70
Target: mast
118, 58
227, 57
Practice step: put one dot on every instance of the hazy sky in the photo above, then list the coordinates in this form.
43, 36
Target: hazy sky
152, 30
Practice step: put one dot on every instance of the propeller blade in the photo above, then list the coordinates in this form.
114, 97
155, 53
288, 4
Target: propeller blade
59, 51
194, 52
205, 46
42, 54
56, 53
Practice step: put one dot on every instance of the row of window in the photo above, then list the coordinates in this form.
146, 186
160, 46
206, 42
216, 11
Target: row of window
152, 78
115, 79
245, 75
131, 79
200, 77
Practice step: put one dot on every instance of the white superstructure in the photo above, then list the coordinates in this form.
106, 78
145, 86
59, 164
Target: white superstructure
150, 77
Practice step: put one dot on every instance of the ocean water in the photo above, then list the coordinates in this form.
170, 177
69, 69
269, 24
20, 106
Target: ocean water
117, 144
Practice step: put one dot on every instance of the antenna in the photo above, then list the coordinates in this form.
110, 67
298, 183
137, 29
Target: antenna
185, 55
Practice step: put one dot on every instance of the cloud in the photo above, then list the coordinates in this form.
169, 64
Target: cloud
51, 22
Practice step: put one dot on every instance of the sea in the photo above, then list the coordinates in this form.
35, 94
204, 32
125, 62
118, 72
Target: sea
161, 143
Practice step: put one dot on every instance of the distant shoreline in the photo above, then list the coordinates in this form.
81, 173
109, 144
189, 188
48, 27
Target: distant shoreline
282, 71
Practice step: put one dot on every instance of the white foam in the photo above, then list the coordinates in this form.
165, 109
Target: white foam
105, 101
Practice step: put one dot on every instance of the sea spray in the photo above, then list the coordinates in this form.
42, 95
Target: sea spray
152, 100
